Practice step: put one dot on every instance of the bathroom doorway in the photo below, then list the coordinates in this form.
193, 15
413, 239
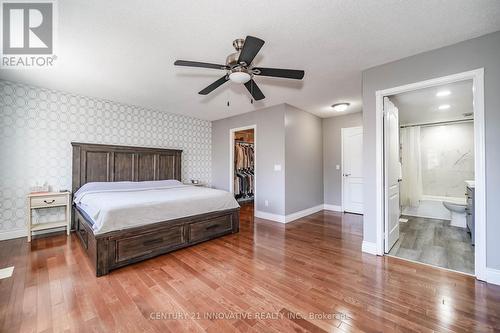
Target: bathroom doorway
433, 173
431, 165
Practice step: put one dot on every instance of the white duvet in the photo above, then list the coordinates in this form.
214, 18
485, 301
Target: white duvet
122, 205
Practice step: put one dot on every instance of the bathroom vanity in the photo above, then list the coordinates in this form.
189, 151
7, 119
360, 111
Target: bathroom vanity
469, 210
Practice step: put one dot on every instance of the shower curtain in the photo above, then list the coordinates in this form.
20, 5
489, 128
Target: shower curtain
411, 185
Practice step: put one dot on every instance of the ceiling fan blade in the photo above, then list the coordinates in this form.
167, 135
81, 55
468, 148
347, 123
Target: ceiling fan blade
199, 64
250, 49
254, 90
214, 85
279, 72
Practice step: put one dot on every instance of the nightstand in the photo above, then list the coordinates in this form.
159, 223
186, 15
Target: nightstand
49, 200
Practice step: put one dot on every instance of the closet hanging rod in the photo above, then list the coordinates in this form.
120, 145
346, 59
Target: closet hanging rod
244, 142
438, 123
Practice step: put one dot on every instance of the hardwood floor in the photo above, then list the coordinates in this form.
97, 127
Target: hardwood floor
308, 275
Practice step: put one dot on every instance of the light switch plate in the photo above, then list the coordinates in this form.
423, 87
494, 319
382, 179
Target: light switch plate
337, 167
277, 167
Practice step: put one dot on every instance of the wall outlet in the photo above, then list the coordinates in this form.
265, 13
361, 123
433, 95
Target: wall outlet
266, 203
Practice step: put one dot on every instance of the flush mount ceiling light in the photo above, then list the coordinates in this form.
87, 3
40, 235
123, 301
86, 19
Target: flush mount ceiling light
443, 93
444, 107
339, 107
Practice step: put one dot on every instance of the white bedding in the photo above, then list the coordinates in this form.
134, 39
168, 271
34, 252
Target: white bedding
122, 205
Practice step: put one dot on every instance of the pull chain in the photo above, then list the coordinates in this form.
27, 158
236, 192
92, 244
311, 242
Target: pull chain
251, 92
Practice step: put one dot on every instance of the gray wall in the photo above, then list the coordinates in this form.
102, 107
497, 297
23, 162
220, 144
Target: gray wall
37, 126
270, 150
332, 154
482, 52
303, 160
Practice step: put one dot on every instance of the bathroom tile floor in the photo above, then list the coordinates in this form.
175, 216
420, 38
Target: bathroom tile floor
435, 242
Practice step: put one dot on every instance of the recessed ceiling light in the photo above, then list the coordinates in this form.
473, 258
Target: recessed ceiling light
444, 107
339, 107
443, 93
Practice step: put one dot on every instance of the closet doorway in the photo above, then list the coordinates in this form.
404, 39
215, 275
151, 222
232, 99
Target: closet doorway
243, 164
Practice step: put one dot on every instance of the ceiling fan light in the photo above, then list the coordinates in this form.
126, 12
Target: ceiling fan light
340, 107
239, 77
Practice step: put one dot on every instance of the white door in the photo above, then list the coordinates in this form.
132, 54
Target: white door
392, 173
352, 170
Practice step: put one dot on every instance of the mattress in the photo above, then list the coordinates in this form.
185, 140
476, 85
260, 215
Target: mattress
121, 205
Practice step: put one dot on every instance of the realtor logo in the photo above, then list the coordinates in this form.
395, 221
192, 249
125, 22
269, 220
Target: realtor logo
27, 29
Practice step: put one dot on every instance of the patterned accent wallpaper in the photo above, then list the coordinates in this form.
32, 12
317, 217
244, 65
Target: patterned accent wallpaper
37, 126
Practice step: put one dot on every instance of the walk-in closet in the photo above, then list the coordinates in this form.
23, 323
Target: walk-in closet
244, 163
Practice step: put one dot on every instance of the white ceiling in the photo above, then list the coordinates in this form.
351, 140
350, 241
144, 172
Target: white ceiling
124, 50
422, 106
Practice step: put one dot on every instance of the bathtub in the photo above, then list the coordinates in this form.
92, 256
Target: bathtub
432, 207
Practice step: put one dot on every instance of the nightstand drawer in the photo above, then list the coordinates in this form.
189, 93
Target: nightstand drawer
49, 201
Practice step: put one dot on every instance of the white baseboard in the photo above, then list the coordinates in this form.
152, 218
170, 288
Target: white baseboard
333, 208
493, 276
369, 247
290, 217
302, 213
270, 216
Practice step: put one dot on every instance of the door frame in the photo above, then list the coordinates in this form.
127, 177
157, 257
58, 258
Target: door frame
343, 131
231, 160
477, 77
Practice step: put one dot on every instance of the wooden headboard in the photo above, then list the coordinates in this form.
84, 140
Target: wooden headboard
108, 163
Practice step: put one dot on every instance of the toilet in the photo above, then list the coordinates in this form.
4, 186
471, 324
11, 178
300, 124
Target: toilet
457, 209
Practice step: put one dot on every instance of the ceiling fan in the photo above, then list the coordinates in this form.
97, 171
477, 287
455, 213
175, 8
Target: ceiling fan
239, 68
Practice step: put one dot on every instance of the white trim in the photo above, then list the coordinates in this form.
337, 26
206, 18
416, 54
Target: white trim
493, 276
333, 208
270, 216
477, 77
342, 169
342, 133
231, 160
304, 212
369, 247
297, 215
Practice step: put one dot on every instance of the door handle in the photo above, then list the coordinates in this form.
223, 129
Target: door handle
347, 174
400, 180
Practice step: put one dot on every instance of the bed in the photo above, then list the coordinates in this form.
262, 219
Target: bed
129, 205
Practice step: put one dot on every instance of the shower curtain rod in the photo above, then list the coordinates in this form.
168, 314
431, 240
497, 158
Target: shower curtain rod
438, 123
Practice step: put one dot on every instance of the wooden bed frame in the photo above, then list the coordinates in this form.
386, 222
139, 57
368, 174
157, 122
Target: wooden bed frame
111, 250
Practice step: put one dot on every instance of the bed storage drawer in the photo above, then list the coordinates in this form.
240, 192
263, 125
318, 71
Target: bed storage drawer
207, 229
81, 231
144, 244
